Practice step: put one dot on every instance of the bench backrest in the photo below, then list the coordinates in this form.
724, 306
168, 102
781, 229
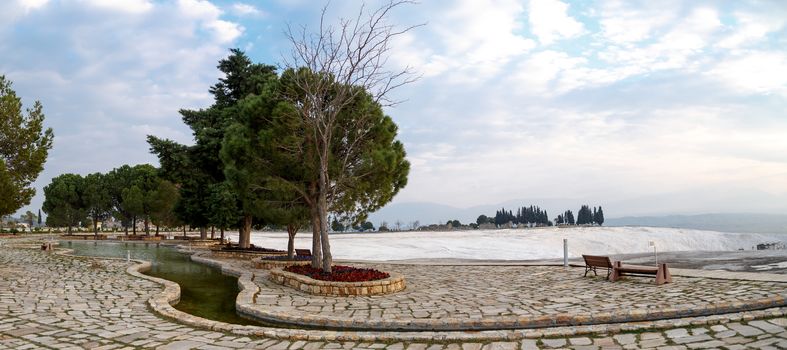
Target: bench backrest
598, 261
303, 252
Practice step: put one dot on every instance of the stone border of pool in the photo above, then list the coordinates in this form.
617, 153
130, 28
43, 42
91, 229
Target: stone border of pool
161, 303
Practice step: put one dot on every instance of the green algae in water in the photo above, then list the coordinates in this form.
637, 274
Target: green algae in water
204, 290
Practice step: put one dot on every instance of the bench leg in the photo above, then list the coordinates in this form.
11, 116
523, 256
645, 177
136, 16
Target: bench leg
663, 275
615, 272
609, 272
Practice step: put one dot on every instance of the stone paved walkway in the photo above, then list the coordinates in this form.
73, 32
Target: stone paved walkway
53, 301
497, 297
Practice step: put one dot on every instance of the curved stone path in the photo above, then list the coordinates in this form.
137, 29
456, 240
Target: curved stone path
54, 301
513, 297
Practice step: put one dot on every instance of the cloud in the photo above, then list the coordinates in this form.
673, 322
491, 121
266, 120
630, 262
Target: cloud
107, 77
755, 72
626, 22
472, 40
126, 6
517, 100
752, 28
242, 9
29, 5
549, 21
209, 16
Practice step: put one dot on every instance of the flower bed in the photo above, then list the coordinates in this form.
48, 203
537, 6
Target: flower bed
392, 284
339, 273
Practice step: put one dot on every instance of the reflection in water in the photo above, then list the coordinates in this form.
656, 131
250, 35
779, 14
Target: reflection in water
204, 290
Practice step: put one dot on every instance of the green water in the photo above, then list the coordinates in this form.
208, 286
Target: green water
204, 290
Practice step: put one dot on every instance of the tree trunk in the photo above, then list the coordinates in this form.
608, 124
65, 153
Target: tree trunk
184, 231
147, 226
69, 230
212, 232
126, 227
221, 230
316, 242
203, 232
322, 204
134, 225
95, 228
244, 240
157, 230
291, 231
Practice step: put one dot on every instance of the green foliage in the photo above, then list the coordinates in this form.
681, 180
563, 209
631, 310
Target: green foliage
367, 226
223, 206
598, 216
584, 215
97, 198
197, 169
63, 201
337, 226
29, 218
162, 205
263, 158
134, 201
24, 146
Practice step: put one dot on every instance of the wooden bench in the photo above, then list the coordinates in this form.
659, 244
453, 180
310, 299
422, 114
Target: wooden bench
303, 252
592, 262
661, 272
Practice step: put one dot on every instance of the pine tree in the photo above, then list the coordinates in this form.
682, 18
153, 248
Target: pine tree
24, 146
599, 218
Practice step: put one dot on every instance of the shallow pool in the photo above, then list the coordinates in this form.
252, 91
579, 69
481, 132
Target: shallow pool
204, 290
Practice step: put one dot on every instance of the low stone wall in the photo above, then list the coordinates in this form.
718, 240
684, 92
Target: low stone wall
83, 237
277, 264
143, 238
392, 284
242, 255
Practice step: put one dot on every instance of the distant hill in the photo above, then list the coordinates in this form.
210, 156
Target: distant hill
753, 223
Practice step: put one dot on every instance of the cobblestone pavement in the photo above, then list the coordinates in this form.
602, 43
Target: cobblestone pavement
53, 301
493, 297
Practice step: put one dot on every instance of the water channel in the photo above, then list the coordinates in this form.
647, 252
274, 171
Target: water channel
204, 290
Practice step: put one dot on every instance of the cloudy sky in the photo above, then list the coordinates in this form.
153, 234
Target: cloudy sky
617, 103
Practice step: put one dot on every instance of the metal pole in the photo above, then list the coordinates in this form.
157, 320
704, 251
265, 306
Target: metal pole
565, 253
655, 254
128, 255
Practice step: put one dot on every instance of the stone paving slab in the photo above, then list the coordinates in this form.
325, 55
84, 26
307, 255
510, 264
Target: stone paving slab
477, 297
60, 302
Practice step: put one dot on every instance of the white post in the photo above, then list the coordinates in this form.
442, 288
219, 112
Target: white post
565, 253
128, 255
655, 254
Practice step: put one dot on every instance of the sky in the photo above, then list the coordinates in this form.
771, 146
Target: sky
645, 106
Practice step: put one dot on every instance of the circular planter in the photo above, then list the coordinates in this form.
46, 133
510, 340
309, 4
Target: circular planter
392, 284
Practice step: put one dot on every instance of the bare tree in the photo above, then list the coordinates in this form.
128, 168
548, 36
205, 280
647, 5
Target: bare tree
341, 62
415, 225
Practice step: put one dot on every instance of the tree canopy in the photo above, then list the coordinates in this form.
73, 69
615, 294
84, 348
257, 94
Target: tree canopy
24, 146
63, 202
